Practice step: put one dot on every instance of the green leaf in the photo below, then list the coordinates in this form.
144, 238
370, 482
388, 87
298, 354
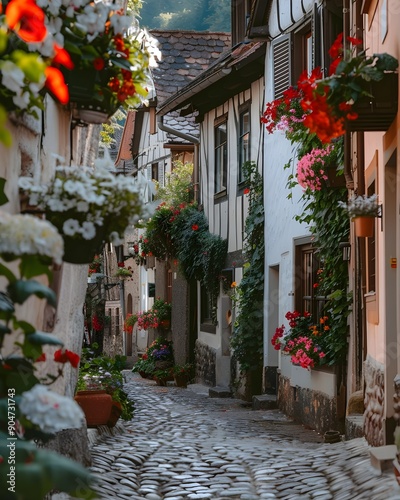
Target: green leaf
3, 196
4, 271
21, 290
41, 338
35, 265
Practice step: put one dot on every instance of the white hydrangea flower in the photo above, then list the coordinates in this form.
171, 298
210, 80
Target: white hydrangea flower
28, 235
50, 411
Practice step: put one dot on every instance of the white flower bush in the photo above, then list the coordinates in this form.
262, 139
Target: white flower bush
27, 235
361, 206
85, 203
50, 411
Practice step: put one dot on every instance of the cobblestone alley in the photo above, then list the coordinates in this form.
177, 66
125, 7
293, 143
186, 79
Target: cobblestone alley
183, 445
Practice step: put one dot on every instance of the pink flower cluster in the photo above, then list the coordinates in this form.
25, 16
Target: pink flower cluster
310, 171
303, 352
298, 341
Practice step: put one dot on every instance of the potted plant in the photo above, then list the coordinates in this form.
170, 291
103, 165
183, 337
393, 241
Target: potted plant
87, 207
162, 311
182, 374
110, 57
123, 273
129, 323
362, 209
28, 56
161, 377
100, 376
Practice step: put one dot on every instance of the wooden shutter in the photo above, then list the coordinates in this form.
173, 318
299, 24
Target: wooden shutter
281, 57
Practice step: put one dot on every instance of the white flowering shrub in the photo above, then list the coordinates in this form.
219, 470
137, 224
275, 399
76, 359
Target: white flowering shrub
361, 205
26, 235
85, 203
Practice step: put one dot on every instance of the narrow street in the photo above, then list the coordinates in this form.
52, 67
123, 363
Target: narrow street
183, 445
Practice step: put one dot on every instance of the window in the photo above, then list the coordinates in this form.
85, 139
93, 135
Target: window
306, 296
205, 311
221, 157
244, 142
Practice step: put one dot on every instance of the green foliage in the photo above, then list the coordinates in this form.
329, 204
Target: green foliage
247, 339
180, 231
178, 185
323, 214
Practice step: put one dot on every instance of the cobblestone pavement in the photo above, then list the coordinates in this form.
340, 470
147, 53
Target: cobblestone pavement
183, 445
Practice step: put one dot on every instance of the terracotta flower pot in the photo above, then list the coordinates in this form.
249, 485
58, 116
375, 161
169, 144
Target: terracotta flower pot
181, 379
96, 406
364, 226
116, 412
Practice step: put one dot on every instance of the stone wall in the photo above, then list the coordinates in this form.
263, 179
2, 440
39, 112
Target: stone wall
312, 408
374, 402
205, 359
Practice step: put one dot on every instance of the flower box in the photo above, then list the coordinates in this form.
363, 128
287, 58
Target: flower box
377, 112
364, 226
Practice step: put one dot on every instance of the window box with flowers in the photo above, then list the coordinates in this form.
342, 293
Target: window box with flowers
87, 207
302, 342
362, 210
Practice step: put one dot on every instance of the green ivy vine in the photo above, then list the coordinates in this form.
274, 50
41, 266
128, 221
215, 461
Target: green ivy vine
247, 338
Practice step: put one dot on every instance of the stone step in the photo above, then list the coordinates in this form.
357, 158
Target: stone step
219, 392
265, 402
382, 457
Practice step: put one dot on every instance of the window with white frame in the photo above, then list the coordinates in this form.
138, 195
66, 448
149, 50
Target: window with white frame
221, 156
244, 142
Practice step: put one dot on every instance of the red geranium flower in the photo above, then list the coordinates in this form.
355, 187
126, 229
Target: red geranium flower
66, 356
27, 20
246, 191
98, 63
195, 227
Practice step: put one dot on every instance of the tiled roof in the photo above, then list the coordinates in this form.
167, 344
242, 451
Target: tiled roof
185, 54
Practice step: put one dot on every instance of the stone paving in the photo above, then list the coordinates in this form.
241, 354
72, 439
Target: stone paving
183, 445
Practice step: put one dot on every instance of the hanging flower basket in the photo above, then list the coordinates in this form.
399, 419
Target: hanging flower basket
81, 251
377, 112
364, 226
83, 86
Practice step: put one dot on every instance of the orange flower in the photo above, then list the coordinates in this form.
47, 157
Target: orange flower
27, 20
246, 191
62, 57
56, 84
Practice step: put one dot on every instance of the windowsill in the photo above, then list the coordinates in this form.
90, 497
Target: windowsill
370, 296
240, 187
208, 328
220, 195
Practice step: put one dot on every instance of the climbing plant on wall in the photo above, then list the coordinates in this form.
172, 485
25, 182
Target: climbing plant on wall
247, 338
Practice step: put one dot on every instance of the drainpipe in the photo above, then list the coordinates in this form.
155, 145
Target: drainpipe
190, 138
